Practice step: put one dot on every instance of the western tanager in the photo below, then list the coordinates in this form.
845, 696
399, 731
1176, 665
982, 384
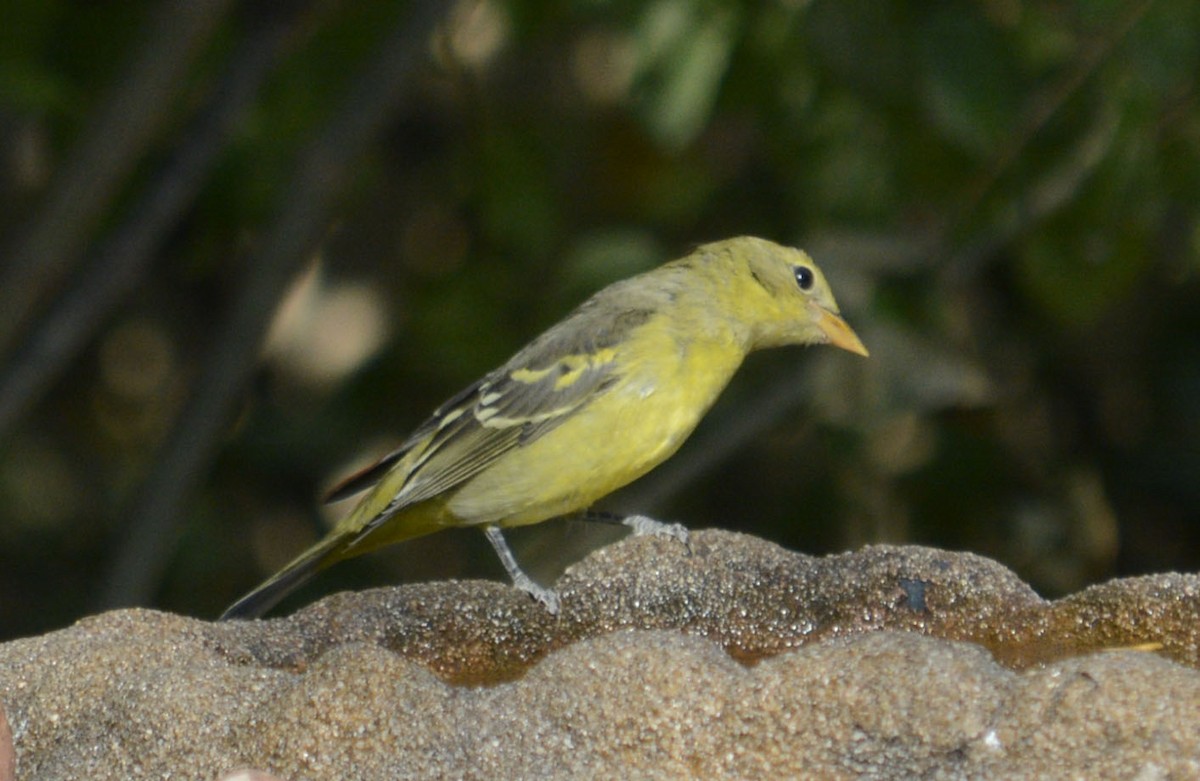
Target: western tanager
590, 405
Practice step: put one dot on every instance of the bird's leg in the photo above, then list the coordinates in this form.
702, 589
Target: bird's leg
547, 596
642, 524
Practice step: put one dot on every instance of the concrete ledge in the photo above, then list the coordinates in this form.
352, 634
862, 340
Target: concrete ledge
739, 659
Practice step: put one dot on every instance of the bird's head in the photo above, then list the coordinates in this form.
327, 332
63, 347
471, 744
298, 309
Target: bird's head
782, 295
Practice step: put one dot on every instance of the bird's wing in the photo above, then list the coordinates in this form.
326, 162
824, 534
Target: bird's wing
554, 377
365, 478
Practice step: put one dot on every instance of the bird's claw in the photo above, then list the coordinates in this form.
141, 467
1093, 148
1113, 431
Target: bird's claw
642, 525
548, 597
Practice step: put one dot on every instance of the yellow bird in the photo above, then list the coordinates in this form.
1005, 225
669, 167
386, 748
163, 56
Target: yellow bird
590, 405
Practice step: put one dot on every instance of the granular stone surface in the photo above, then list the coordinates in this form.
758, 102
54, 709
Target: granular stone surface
736, 659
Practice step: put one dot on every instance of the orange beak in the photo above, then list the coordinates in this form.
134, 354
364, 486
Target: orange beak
837, 332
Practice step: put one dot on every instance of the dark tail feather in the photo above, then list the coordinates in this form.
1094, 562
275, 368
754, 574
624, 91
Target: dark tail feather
267, 594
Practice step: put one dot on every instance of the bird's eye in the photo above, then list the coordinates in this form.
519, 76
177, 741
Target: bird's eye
804, 277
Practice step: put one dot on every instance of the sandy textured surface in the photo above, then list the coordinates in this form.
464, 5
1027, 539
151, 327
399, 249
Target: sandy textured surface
739, 659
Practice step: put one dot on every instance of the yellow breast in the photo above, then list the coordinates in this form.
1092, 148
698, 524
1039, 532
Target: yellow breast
663, 391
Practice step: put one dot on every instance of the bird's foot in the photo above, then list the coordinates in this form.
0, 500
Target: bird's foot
642, 525
548, 597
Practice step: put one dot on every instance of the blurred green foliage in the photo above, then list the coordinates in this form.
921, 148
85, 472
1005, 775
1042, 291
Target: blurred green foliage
1005, 196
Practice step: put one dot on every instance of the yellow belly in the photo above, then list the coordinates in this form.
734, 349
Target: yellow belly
636, 425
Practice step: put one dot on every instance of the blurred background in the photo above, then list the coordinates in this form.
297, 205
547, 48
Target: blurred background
246, 247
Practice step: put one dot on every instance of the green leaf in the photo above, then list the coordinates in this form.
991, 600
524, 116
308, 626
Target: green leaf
970, 86
683, 51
